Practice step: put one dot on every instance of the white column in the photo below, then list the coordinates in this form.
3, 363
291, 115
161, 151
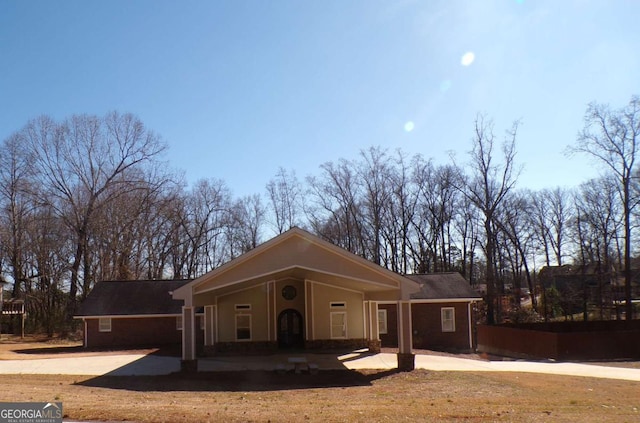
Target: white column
188, 334
406, 358
366, 324
470, 322
209, 325
405, 330
374, 333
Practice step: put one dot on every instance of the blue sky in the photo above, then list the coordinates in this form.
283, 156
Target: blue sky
240, 88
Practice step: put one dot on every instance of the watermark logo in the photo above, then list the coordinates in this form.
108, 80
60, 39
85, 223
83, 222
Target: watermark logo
30, 412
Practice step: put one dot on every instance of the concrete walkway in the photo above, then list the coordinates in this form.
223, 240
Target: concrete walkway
386, 361
138, 364
112, 365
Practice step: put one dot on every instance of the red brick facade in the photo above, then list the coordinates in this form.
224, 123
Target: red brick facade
426, 323
578, 340
141, 331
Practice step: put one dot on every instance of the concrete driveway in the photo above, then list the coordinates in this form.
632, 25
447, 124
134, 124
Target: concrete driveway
113, 365
382, 361
140, 364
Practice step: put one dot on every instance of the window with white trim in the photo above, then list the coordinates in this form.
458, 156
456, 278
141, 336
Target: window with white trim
448, 319
104, 324
179, 322
338, 325
382, 321
243, 327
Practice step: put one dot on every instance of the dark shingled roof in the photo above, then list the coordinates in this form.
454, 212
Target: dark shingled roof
114, 298
436, 286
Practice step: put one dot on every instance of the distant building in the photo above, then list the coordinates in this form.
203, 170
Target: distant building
580, 286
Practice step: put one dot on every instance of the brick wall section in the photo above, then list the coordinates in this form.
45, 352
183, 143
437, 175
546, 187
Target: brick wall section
427, 327
598, 340
138, 332
390, 339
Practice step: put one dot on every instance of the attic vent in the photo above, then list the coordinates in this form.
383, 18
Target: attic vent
338, 304
243, 307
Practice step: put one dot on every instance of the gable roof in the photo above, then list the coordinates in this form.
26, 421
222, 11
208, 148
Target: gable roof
298, 253
115, 298
442, 286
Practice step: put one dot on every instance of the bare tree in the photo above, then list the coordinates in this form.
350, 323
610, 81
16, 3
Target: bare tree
515, 223
17, 207
205, 216
375, 175
80, 161
46, 288
466, 224
285, 194
336, 212
611, 137
121, 226
550, 212
400, 209
437, 199
560, 214
247, 221
597, 225
163, 221
487, 187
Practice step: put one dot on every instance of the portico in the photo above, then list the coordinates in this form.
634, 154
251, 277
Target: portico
295, 291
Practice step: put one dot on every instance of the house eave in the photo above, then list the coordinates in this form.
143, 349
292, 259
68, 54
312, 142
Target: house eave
436, 300
128, 316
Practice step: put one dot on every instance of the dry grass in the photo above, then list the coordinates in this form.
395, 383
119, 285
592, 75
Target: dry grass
332, 397
336, 396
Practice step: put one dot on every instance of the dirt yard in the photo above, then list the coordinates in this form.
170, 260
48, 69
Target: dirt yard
331, 396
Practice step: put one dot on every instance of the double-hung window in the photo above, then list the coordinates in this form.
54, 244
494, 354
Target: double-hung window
448, 318
243, 327
104, 324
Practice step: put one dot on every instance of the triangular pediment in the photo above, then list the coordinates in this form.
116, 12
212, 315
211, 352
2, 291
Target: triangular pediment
298, 251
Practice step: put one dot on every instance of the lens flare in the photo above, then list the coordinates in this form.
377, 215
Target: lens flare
408, 127
467, 58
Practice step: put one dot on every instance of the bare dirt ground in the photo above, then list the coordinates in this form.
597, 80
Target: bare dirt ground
330, 396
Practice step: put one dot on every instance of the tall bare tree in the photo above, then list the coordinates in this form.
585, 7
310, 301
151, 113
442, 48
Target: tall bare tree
515, 223
17, 207
611, 137
487, 187
285, 194
336, 212
400, 210
597, 227
247, 221
374, 173
81, 160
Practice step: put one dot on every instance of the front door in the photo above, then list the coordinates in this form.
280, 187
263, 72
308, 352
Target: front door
290, 333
